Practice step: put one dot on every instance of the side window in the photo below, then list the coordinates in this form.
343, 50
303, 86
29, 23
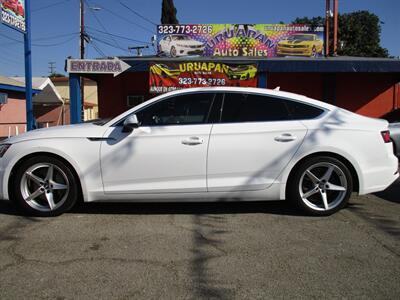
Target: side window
239, 107
178, 110
301, 111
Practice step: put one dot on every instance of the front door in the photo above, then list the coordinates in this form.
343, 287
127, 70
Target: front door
166, 154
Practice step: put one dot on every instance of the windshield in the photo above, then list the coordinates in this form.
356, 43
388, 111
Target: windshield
240, 68
99, 122
180, 38
301, 37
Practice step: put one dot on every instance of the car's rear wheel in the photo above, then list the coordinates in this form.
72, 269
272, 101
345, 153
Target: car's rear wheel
44, 186
320, 185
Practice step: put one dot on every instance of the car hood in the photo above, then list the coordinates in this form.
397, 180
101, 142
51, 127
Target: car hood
68, 131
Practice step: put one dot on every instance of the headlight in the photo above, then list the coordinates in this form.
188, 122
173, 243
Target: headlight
3, 149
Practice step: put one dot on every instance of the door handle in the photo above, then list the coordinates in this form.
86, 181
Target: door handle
285, 137
192, 141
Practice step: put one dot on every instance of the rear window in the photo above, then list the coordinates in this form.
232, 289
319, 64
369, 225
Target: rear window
300, 111
243, 107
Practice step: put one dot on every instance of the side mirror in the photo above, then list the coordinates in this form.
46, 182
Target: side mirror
130, 123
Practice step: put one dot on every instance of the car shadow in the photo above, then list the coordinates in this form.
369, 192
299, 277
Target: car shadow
392, 193
192, 208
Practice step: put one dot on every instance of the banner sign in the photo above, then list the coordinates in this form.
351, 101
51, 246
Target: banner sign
254, 40
13, 14
170, 76
113, 66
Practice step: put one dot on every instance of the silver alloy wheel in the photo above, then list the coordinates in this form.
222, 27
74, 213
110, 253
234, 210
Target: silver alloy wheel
323, 186
44, 187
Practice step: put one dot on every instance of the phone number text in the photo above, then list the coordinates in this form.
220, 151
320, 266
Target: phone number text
184, 29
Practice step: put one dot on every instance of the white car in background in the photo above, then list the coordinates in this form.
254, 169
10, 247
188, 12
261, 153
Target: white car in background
175, 45
203, 144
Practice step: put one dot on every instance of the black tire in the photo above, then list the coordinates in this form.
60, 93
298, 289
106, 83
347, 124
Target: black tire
23, 185
312, 205
314, 52
172, 52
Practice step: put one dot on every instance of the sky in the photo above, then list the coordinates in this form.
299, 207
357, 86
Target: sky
114, 26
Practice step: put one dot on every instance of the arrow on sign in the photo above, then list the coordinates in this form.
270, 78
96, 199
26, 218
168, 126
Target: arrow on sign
113, 66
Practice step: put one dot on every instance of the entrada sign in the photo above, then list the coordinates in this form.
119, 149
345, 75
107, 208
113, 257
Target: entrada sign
113, 66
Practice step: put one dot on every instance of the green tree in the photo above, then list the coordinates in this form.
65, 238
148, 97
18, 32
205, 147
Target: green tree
168, 12
358, 33
56, 75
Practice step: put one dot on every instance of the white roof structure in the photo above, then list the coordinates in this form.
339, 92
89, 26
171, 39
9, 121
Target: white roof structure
48, 94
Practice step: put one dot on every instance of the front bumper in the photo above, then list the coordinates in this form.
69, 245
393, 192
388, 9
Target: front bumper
180, 51
282, 51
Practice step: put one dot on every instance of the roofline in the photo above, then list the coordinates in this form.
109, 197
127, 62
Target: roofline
14, 88
264, 91
285, 64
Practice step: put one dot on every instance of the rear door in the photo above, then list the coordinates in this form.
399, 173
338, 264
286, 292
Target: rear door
252, 144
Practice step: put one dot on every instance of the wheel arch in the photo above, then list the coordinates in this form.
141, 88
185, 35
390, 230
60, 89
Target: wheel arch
22, 159
341, 158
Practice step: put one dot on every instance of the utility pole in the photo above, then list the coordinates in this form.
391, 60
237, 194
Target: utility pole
30, 119
82, 50
52, 67
335, 26
327, 27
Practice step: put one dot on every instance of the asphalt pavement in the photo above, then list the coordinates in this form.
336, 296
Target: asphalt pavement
251, 250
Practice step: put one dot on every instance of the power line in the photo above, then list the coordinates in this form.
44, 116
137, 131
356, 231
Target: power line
136, 13
98, 21
50, 5
6, 57
11, 62
55, 44
109, 44
38, 39
125, 19
38, 45
97, 48
55, 36
118, 36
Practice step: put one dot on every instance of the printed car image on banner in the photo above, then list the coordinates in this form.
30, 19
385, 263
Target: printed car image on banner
255, 40
13, 14
166, 77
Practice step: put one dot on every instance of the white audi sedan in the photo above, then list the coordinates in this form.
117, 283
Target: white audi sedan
203, 144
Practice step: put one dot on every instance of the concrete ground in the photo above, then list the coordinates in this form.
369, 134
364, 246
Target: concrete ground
193, 251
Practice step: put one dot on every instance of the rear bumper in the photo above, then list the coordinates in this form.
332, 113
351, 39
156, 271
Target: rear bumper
378, 179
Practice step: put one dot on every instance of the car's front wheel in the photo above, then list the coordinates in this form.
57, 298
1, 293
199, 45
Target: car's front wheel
314, 52
173, 51
320, 185
44, 186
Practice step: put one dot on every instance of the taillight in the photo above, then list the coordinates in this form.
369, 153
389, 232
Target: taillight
386, 136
